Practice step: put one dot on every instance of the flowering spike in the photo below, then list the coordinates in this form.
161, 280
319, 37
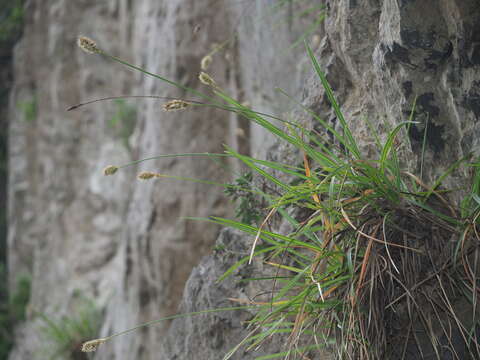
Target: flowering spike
92, 345
88, 45
175, 105
206, 79
147, 175
205, 63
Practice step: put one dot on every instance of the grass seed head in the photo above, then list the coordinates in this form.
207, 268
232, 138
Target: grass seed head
110, 170
87, 45
174, 105
147, 175
206, 79
205, 63
92, 345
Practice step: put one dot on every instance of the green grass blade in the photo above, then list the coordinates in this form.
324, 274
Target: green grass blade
352, 145
243, 261
450, 169
387, 149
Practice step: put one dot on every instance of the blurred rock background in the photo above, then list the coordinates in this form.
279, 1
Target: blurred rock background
114, 240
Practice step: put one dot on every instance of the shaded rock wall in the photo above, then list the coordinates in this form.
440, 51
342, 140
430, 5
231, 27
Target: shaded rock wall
208, 336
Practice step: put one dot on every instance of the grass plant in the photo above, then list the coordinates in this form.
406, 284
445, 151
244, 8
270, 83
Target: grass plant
12, 16
64, 337
379, 265
13, 309
123, 121
28, 109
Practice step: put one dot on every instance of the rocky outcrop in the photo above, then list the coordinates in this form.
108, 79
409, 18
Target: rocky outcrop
158, 247
210, 336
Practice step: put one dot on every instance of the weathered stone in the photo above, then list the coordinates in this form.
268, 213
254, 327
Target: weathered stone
210, 336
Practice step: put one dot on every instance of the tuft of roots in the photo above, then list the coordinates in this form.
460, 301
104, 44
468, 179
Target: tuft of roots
415, 286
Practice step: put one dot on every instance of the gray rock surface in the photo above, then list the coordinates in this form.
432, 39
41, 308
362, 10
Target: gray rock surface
210, 336
382, 55
158, 248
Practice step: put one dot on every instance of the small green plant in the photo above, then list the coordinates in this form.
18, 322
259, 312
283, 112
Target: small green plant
12, 310
11, 20
248, 208
123, 120
28, 109
20, 298
64, 336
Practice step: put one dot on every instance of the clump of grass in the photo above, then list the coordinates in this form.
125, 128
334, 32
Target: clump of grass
123, 121
380, 262
377, 262
249, 206
13, 309
64, 337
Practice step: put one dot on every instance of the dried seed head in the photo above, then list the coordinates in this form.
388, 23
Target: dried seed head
92, 345
110, 170
206, 79
146, 175
240, 132
175, 105
205, 63
315, 41
87, 45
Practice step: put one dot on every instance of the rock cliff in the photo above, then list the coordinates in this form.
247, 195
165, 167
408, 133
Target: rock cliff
124, 242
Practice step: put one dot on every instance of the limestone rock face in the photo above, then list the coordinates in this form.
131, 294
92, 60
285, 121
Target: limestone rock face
378, 57
65, 217
123, 242
382, 56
